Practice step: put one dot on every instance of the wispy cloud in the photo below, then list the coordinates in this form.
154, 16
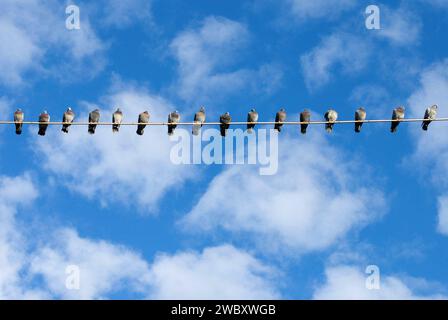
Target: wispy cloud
347, 282
311, 203
204, 57
340, 52
317, 9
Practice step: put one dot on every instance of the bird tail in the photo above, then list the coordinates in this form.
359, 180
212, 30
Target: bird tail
115, 128
278, 127
425, 125
393, 127
18, 128
41, 131
64, 129
358, 127
329, 127
303, 128
195, 130
92, 129
223, 131
140, 130
171, 130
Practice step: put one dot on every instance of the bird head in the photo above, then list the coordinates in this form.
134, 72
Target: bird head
45, 112
69, 109
252, 110
227, 113
282, 110
202, 109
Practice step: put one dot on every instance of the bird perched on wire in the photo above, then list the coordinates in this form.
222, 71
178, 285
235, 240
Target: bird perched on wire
199, 119
44, 119
360, 115
18, 119
67, 119
94, 118
225, 121
142, 119
117, 118
330, 116
252, 117
430, 115
280, 117
397, 115
173, 119
305, 116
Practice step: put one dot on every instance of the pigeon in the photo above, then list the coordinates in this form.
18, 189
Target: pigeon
44, 118
67, 119
18, 119
397, 114
360, 115
117, 118
199, 119
305, 116
173, 118
94, 118
142, 118
225, 121
252, 116
280, 117
430, 114
330, 116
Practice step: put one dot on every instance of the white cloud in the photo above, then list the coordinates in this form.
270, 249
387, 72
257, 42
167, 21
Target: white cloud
315, 9
400, 26
120, 14
33, 264
431, 152
313, 201
203, 54
12, 256
345, 282
31, 31
217, 273
116, 168
104, 268
340, 52
443, 215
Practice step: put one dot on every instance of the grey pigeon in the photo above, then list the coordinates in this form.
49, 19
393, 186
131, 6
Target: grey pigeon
397, 114
18, 119
330, 116
67, 119
117, 118
94, 118
173, 119
225, 121
360, 115
44, 118
305, 116
430, 115
142, 119
199, 119
252, 116
280, 117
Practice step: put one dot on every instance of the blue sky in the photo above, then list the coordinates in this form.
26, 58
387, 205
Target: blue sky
138, 226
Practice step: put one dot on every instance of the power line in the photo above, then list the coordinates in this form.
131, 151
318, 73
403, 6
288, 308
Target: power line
218, 123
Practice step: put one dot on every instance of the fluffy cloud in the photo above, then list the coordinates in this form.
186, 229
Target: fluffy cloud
314, 200
314, 9
340, 52
400, 26
349, 283
27, 42
12, 256
217, 273
124, 168
104, 268
39, 271
431, 151
204, 53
